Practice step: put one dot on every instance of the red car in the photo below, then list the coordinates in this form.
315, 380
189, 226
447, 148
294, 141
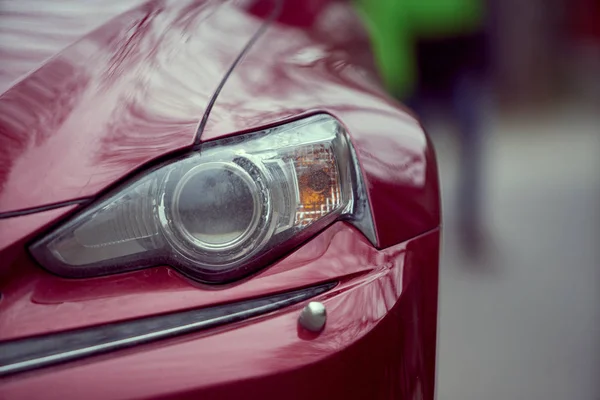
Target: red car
208, 199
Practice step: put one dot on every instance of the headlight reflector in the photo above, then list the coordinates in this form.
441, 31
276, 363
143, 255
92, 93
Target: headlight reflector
216, 205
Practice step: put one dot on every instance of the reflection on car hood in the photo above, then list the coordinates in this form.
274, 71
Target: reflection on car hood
91, 90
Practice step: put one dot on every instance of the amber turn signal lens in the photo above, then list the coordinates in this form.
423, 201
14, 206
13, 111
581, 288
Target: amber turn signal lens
318, 183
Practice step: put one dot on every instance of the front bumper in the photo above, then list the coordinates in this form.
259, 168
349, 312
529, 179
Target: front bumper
379, 339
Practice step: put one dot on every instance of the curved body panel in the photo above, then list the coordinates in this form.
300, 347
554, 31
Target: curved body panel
129, 91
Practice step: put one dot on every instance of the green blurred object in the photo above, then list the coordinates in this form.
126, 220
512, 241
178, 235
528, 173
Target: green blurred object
394, 25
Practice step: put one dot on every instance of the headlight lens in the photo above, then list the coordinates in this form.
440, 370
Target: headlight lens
219, 213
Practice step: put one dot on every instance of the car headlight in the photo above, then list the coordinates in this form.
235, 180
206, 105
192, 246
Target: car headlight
219, 213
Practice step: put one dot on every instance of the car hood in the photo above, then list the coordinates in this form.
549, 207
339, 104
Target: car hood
92, 90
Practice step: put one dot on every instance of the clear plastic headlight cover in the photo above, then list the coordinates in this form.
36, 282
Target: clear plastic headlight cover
220, 213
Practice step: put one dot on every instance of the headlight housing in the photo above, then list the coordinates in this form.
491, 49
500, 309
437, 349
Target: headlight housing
220, 213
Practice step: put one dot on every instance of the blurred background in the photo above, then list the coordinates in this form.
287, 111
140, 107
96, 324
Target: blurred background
509, 91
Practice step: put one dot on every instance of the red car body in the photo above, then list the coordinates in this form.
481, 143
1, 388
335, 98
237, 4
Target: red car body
91, 96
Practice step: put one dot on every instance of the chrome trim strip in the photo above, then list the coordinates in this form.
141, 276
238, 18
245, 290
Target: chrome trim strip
35, 352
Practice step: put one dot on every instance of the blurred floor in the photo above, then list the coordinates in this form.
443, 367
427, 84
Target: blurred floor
524, 322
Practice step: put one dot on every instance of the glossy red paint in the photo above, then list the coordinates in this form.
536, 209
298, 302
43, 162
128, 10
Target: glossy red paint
114, 98
380, 338
32, 32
